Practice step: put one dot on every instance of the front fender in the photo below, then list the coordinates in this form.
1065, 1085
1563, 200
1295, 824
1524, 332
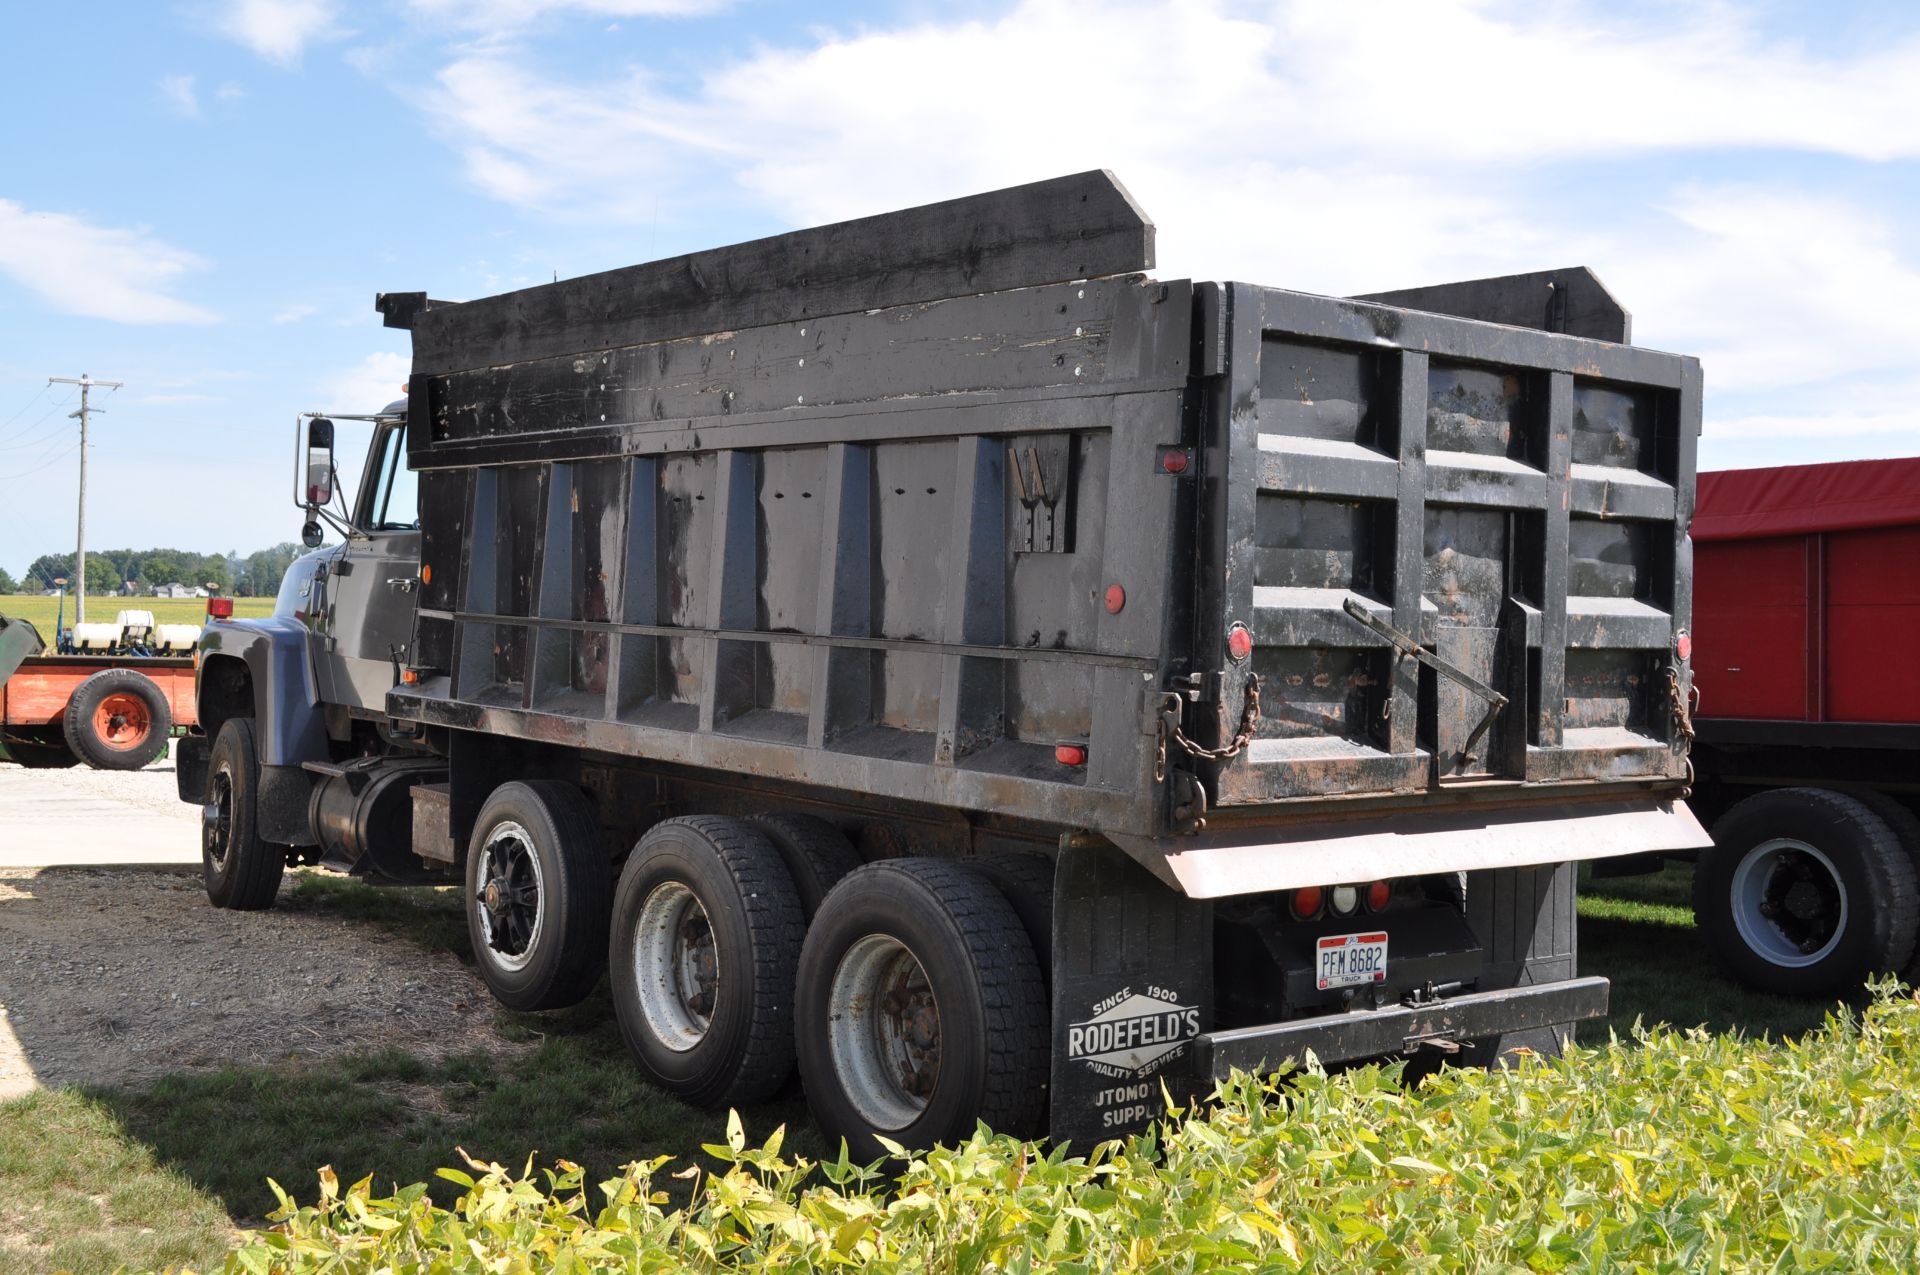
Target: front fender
285, 701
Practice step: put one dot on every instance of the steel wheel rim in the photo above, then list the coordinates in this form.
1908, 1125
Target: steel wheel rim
1790, 904
216, 817
121, 721
511, 902
884, 1032
676, 966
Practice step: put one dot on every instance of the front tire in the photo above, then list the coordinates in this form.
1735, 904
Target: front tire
242, 872
1806, 892
118, 719
921, 1010
537, 879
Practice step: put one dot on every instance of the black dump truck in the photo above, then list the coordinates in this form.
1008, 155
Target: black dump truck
931, 653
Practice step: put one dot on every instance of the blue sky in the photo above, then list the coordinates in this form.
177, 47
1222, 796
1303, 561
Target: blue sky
200, 198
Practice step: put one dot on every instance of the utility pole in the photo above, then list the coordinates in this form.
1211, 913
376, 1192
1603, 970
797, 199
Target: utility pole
85, 383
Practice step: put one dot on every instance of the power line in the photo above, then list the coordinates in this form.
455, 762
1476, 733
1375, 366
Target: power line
48, 414
39, 439
30, 402
69, 450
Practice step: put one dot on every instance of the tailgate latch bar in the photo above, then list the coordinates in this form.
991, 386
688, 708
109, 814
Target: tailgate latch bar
1408, 647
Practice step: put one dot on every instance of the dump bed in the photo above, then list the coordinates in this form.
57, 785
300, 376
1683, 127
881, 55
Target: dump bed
1803, 569
956, 506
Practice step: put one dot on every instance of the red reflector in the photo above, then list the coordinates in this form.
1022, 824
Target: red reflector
1116, 598
1379, 894
1239, 642
1070, 754
220, 608
1174, 461
1306, 902
1683, 645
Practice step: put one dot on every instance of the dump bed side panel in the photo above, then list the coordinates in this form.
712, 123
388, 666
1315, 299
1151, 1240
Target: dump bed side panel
1515, 501
871, 551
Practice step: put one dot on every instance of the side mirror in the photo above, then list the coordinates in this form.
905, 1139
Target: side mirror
311, 535
319, 462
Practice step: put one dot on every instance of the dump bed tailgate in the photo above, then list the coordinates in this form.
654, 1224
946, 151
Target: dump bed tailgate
1514, 502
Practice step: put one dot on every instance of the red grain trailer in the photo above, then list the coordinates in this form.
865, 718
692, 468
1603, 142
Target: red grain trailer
1806, 599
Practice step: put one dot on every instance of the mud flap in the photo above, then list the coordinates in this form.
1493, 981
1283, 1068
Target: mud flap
1525, 920
1132, 989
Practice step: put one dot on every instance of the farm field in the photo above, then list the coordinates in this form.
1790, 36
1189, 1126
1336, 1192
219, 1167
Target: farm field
41, 612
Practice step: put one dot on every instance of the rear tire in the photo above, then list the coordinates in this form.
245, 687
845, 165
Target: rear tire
1026, 882
118, 719
1905, 826
242, 872
1806, 892
707, 928
817, 855
537, 878
921, 1010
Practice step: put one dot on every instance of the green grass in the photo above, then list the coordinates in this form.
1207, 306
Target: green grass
82, 1194
568, 1090
42, 612
1639, 933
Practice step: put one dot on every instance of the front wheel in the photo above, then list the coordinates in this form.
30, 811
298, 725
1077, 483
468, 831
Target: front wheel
242, 872
1806, 892
536, 886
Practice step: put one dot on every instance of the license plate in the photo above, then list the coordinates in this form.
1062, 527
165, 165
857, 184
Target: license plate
1351, 960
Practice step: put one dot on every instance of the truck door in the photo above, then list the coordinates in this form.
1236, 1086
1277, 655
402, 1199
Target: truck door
372, 589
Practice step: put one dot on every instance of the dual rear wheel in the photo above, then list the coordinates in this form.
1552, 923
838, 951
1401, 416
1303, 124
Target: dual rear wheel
906, 992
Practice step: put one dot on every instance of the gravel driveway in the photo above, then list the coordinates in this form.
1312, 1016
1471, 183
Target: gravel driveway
117, 976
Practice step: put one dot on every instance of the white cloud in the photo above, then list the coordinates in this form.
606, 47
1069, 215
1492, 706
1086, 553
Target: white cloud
1773, 287
230, 91
101, 272
1290, 143
178, 93
500, 15
367, 386
296, 312
277, 30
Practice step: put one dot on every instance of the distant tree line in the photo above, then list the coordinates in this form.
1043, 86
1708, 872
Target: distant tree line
255, 575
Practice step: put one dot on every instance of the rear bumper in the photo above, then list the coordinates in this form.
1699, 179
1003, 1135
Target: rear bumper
1345, 1037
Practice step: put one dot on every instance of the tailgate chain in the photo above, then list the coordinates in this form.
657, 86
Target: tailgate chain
1680, 707
1249, 718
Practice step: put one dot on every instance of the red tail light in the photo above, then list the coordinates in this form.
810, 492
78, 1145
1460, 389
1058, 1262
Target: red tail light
219, 608
1070, 754
1306, 902
1683, 645
1379, 894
